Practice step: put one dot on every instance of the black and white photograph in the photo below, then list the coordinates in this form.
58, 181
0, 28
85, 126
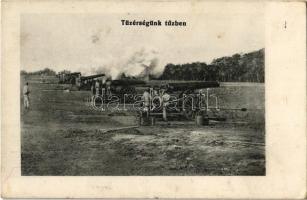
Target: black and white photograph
142, 94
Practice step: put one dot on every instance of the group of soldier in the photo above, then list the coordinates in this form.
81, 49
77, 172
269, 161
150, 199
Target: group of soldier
101, 87
147, 97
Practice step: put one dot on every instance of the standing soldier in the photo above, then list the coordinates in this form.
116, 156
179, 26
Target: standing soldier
26, 93
92, 87
165, 101
108, 87
78, 82
103, 87
97, 86
146, 99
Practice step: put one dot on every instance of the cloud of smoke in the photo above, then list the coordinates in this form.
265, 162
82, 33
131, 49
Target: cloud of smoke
139, 63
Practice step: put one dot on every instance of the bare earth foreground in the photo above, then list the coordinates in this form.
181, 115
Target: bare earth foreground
60, 135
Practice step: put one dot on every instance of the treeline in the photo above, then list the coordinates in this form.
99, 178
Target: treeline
46, 72
247, 67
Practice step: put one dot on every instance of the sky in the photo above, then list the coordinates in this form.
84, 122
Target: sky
93, 43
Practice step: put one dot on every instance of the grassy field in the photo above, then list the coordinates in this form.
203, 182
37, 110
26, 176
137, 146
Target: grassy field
60, 135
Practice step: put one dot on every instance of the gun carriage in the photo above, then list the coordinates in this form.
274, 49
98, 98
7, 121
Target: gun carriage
187, 99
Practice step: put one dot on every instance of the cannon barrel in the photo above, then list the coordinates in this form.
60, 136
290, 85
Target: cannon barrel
92, 76
74, 73
128, 82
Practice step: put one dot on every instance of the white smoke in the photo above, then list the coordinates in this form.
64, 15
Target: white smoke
132, 64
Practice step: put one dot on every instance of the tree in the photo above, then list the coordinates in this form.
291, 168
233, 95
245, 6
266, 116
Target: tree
247, 67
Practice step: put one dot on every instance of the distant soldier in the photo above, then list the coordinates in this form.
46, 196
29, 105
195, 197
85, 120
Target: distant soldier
92, 88
78, 82
42, 78
165, 100
97, 86
103, 87
108, 87
26, 93
146, 99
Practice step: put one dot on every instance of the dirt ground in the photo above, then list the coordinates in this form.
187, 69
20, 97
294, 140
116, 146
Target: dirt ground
60, 135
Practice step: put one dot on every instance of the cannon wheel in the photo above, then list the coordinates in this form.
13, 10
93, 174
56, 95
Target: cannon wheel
189, 114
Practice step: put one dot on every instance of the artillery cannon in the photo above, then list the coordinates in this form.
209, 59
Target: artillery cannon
185, 98
85, 82
66, 77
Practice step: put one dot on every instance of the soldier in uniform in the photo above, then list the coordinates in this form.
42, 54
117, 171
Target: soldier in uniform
26, 92
165, 101
108, 87
97, 86
146, 100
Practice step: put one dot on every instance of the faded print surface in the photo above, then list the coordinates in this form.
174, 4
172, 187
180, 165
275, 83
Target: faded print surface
108, 99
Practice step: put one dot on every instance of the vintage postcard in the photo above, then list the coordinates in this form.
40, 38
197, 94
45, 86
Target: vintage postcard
156, 99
